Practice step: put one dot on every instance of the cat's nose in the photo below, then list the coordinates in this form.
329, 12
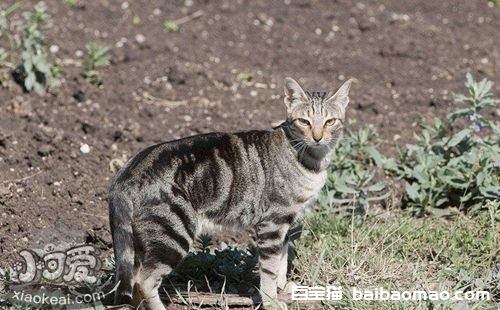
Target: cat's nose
317, 139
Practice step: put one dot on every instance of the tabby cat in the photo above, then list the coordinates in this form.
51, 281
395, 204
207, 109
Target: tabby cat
260, 179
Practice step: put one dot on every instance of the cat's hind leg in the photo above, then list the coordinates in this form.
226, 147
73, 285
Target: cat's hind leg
146, 290
161, 256
165, 233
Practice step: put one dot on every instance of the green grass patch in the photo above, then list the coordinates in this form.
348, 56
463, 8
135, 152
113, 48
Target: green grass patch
397, 251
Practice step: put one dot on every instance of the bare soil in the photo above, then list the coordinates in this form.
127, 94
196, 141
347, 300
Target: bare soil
407, 57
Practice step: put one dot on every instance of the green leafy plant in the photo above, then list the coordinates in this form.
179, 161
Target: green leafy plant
245, 76
351, 179
230, 269
456, 161
98, 56
36, 73
171, 25
3, 58
71, 2
136, 20
4, 13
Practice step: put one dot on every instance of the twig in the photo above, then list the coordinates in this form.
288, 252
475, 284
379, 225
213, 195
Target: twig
23, 179
189, 17
212, 299
163, 102
96, 215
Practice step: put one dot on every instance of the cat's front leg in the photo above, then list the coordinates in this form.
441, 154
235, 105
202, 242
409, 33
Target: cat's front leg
272, 244
283, 266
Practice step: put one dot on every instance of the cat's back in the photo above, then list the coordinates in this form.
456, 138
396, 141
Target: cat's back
199, 154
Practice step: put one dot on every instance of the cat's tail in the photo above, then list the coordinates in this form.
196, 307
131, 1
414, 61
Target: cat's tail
120, 217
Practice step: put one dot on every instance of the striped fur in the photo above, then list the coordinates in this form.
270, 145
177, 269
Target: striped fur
260, 179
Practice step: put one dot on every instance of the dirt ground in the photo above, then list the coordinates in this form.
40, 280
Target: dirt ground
407, 57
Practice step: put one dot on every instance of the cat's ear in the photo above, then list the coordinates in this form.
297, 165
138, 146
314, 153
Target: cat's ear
294, 94
341, 97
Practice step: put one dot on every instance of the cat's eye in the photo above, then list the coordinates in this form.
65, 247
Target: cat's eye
303, 121
330, 122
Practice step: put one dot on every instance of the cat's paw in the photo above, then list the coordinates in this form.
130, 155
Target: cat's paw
274, 305
288, 288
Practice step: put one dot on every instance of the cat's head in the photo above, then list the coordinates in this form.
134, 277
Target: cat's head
316, 118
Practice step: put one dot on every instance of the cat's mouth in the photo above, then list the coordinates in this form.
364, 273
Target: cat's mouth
318, 144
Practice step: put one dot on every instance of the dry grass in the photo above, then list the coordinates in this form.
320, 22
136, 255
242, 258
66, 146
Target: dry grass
399, 252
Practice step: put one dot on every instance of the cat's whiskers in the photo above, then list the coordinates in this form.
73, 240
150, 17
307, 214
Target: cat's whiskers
302, 151
296, 140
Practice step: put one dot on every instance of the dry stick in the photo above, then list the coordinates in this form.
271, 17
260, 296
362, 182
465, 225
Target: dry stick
22, 179
206, 299
95, 215
234, 300
163, 102
188, 18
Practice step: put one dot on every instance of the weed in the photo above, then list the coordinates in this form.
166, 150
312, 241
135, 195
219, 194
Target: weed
4, 25
136, 20
4, 55
230, 268
171, 25
450, 167
454, 162
99, 56
351, 175
36, 73
71, 3
245, 76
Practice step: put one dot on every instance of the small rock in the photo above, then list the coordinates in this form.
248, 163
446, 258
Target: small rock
76, 199
54, 49
187, 118
176, 76
4, 190
115, 164
84, 148
140, 38
79, 96
21, 107
88, 128
45, 150
3, 139
117, 135
223, 246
